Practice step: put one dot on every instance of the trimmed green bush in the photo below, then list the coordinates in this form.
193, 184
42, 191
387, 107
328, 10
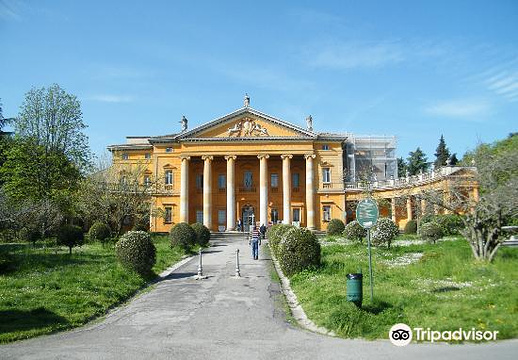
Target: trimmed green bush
384, 232
183, 235
30, 235
335, 227
275, 234
7, 262
431, 231
411, 227
354, 231
140, 227
136, 251
202, 234
99, 231
299, 250
451, 224
70, 235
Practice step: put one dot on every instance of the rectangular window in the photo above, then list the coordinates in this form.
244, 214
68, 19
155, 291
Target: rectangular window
168, 216
247, 180
222, 217
169, 150
125, 156
326, 213
274, 180
147, 180
199, 216
199, 181
147, 156
296, 214
325, 147
326, 175
295, 180
169, 177
222, 181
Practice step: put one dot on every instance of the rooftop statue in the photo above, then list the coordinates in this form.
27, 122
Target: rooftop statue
184, 122
309, 123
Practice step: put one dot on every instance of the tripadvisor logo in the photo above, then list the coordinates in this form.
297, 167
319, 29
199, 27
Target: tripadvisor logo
401, 335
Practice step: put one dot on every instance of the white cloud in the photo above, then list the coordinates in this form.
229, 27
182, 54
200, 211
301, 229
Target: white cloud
112, 98
504, 83
356, 54
471, 110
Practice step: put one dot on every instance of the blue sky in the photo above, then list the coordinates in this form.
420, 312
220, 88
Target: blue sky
414, 69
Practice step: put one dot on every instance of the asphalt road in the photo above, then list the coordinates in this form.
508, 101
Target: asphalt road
222, 317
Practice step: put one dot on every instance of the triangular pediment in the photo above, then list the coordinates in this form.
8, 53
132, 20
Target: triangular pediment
246, 123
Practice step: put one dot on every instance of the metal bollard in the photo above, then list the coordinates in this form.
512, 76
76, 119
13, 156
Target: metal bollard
238, 273
200, 266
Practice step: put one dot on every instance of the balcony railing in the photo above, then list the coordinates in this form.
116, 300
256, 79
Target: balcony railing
418, 179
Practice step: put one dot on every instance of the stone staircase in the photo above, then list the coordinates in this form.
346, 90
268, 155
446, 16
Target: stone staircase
227, 236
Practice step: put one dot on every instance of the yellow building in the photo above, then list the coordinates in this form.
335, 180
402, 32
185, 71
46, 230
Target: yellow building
249, 166
245, 165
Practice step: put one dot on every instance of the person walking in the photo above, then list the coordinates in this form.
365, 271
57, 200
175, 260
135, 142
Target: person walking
255, 241
262, 229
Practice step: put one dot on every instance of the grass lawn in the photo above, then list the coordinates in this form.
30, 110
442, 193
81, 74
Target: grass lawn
51, 290
423, 285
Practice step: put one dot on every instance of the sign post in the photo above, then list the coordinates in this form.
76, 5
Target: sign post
367, 214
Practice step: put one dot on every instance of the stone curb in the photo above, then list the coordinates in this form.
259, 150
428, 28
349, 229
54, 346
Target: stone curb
174, 267
296, 309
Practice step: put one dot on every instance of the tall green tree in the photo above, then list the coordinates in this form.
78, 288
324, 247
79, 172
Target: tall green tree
442, 154
53, 119
32, 172
416, 162
453, 159
401, 167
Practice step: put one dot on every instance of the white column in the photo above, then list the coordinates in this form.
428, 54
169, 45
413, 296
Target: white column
231, 192
409, 209
286, 189
310, 191
393, 209
263, 189
184, 189
207, 191
423, 207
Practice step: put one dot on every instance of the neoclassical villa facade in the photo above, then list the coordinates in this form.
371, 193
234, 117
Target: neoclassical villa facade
252, 167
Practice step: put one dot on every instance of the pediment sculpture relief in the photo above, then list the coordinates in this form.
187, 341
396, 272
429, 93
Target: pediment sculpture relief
247, 127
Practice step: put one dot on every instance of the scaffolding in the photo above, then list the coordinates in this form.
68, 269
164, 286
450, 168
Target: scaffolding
370, 157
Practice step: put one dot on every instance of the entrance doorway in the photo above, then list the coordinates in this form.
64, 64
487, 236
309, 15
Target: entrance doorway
248, 217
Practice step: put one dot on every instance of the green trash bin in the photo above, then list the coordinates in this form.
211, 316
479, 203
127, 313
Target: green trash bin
355, 288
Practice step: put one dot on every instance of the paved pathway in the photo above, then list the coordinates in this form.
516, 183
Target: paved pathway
221, 318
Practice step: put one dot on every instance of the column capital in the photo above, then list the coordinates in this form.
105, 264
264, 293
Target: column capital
286, 156
263, 156
228, 157
207, 157
185, 157
307, 156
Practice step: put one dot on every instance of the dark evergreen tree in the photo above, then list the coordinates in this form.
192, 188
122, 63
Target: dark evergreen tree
453, 159
401, 167
417, 161
442, 154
